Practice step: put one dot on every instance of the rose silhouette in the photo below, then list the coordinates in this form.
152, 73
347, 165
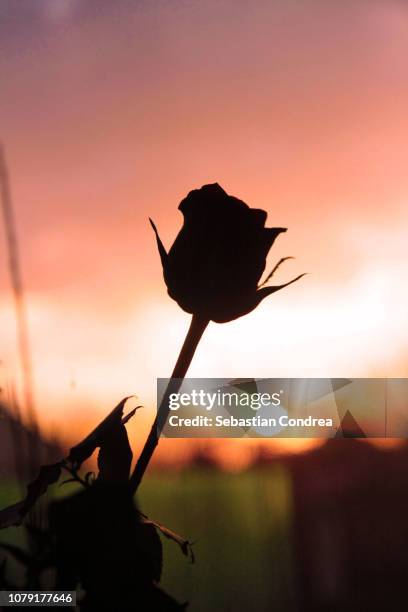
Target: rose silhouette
212, 271
214, 267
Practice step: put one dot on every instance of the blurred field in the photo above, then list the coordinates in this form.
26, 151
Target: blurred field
240, 524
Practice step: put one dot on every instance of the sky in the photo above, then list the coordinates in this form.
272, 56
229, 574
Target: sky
111, 112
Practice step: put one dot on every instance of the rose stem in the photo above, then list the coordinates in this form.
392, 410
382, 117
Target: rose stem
193, 337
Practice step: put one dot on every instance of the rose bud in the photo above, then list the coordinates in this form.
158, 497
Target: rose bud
214, 267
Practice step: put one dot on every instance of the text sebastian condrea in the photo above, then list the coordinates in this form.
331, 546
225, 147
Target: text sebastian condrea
255, 421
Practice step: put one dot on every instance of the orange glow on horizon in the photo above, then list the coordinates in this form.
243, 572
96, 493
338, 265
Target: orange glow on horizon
312, 128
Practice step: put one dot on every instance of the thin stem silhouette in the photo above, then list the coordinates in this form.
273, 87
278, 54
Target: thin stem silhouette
18, 289
193, 337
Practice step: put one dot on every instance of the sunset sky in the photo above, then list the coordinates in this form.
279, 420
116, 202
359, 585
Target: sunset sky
110, 112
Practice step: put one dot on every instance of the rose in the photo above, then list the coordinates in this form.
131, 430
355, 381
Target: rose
212, 271
214, 267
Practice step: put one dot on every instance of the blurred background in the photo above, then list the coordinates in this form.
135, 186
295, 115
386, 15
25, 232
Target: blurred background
111, 113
